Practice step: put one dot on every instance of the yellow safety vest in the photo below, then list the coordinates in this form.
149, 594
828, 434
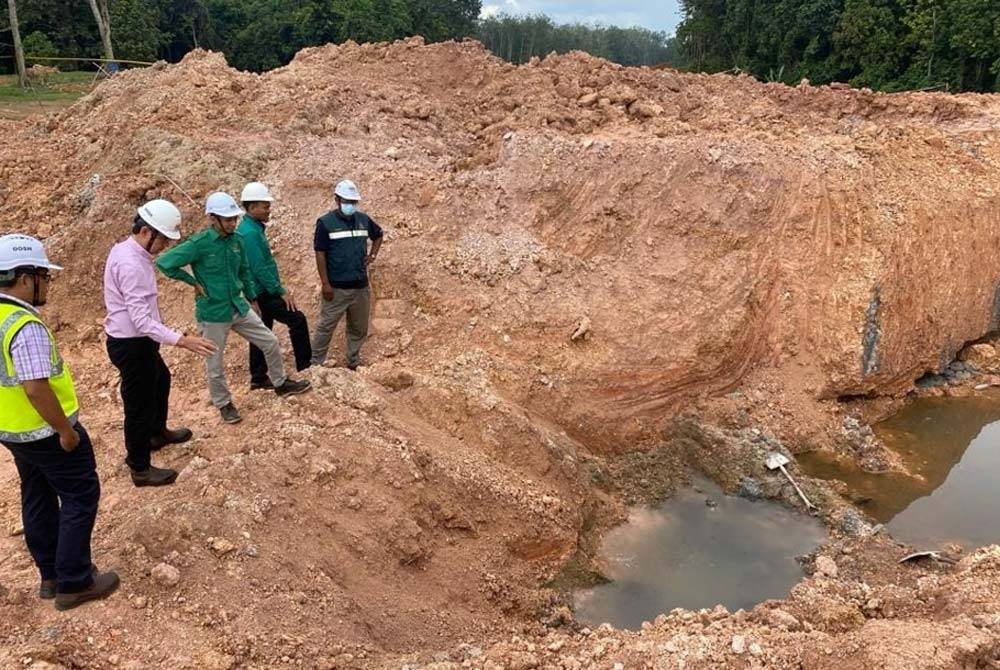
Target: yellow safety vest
19, 421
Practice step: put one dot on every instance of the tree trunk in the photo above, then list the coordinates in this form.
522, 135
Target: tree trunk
103, 18
18, 49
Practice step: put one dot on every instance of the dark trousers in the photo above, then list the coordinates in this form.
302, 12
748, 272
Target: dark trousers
59, 496
145, 394
273, 308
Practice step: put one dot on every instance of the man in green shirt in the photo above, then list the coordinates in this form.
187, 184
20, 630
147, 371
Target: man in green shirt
221, 278
275, 300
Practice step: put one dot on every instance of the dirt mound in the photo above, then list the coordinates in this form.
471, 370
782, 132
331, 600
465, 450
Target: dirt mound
737, 250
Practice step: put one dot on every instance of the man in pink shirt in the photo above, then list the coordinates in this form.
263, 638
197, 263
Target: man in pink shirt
135, 332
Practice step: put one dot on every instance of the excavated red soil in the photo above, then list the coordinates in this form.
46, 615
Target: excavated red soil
593, 277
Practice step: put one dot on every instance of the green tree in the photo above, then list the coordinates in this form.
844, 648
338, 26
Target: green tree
869, 42
886, 44
137, 29
702, 38
254, 34
68, 25
439, 20
102, 16
38, 43
974, 42
520, 38
15, 33
927, 44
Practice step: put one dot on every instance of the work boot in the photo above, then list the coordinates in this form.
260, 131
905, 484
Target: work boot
176, 436
105, 583
47, 589
230, 414
293, 387
154, 477
264, 385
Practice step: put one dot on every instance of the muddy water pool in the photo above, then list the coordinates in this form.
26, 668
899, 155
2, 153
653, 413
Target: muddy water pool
951, 450
686, 553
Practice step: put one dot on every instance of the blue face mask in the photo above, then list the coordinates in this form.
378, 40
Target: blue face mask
348, 209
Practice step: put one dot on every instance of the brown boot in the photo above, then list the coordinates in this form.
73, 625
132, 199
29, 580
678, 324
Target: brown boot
105, 583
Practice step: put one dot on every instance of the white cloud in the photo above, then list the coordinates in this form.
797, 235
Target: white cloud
508, 7
663, 15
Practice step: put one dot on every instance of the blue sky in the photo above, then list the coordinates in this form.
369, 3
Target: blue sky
658, 15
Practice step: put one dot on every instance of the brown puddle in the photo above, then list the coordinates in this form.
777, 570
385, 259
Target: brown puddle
685, 553
952, 448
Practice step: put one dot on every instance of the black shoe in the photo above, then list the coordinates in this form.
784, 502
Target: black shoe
177, 436
105, 583
154, 477
230, 414
293, 387
47, 589
264, 385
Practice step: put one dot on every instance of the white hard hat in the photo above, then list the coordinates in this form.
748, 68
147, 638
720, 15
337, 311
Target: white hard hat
21, 251
347, 190
163, 217
256, 192
222, 204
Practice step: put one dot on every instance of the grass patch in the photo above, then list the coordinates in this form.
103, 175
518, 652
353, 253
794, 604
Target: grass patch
58, 90
58, 86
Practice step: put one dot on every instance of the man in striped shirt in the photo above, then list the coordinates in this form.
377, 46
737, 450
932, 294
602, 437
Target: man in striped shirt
39, 425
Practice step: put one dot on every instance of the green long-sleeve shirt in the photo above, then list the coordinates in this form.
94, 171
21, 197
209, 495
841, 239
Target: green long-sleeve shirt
220, 266
262, 265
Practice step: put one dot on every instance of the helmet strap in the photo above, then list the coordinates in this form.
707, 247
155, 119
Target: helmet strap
36, 293
217, 224
152, 239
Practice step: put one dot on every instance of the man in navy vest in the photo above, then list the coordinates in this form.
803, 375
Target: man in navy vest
342, 260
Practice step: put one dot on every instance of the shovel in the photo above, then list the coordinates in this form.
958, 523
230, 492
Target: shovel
933, 555
776, 461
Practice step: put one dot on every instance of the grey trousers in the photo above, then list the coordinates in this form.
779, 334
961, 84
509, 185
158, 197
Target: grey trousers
357, 303
253, 330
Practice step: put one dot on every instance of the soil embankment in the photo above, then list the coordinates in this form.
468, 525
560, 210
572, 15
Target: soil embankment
733, 257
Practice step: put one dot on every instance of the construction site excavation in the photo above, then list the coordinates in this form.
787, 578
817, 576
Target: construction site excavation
664, 370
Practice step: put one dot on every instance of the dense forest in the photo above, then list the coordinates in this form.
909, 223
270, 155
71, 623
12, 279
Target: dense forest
519, 38
883, 44
254, 34
263, 34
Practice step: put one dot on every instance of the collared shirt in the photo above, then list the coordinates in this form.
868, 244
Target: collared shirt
130, 295
220, 267
262, 265
31, 348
